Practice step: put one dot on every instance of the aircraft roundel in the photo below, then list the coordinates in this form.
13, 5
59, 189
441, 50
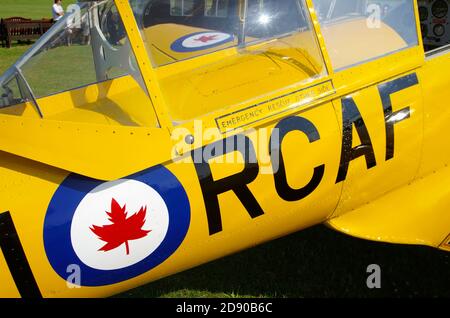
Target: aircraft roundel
200, 41
115, 230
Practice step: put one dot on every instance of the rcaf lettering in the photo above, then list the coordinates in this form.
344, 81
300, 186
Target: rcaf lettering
392, 118
281, 184
238, 183
352, 117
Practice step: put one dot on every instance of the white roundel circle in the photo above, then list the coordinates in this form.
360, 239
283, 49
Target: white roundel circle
91, 213
205, 39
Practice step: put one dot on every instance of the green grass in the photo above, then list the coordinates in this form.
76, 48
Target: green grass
35, 9
63, 68
317, 262
9, 56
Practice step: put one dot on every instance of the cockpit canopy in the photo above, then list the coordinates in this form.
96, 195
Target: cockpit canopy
79, 57
207, 56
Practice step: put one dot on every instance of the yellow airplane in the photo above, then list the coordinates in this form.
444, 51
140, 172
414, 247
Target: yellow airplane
141, 138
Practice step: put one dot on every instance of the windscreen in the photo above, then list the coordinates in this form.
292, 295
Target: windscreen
88, 45
357, 31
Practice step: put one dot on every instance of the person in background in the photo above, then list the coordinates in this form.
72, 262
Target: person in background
386, 10
86, 29
57, 10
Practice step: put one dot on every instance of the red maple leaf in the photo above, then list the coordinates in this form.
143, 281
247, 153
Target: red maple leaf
122, 229
205, 39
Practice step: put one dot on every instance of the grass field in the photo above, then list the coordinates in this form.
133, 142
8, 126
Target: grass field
75, 60
35, 9
9, 56
317, 262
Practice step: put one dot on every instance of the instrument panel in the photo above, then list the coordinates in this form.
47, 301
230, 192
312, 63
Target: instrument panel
434, 21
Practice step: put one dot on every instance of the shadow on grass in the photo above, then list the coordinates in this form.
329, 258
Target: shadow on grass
19, 44
316, 262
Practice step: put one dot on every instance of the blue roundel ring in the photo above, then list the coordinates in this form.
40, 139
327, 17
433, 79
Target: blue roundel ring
60, 212
177, 46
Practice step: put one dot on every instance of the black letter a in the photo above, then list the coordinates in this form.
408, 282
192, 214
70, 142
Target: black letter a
351, 116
